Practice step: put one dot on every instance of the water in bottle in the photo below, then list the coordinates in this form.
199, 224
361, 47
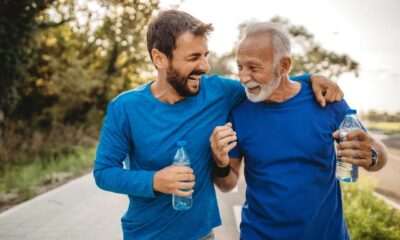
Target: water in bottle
181, 159
346, 171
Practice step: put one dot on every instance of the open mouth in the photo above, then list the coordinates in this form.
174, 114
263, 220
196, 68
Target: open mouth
194, 77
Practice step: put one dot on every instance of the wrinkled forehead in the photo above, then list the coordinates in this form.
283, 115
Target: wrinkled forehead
256, 47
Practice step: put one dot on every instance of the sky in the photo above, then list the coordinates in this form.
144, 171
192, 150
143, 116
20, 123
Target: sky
366, 30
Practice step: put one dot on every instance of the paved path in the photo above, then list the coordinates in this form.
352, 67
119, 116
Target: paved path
79, 210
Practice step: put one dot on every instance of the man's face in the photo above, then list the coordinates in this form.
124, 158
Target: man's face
256, 67
188, 63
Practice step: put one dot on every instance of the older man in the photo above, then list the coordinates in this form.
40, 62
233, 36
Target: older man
144, 124
286, 141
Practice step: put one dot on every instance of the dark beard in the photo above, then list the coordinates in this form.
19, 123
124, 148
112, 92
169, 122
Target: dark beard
179, 82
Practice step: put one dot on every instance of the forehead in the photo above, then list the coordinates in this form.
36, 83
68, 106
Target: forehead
187, 43
257, 47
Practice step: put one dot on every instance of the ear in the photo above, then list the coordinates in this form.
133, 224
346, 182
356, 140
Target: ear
286, 64
159, 58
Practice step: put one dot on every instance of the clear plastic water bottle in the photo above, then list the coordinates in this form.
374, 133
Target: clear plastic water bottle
181, 159
346, 171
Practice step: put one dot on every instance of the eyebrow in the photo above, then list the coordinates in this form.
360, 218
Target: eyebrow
250, 62
197, 54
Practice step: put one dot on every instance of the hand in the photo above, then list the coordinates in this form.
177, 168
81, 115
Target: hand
325, 90
355, 149
223, 139
173, 179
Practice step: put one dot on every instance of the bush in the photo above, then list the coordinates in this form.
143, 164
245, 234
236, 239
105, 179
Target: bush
367, 217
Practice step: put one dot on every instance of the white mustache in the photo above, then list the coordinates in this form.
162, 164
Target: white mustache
252, 84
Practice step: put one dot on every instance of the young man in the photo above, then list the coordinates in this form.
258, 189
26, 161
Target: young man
145, 123
286, 141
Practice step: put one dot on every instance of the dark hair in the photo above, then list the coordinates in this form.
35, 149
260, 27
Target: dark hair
165, 28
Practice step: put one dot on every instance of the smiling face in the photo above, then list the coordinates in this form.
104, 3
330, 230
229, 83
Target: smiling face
256, 68
188, 63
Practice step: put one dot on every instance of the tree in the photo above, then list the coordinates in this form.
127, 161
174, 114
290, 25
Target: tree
309, 56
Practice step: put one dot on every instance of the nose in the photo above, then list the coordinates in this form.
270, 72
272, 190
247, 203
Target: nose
203, 65
244, 76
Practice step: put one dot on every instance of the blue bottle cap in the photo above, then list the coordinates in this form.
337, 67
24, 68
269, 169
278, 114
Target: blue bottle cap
181, 143
351, 111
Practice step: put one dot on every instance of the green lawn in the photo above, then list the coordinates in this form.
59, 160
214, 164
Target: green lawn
23, 182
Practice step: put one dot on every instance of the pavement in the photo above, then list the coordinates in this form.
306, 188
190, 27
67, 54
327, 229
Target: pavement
79, 210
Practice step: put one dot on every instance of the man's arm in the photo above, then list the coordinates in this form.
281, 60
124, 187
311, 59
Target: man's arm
356, 149
325, 90
114, 145
225, 184
222, 140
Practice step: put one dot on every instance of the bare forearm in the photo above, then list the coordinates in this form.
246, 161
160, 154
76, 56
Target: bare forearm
225, 184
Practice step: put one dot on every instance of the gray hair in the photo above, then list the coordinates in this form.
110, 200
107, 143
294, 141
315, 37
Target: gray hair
280, 37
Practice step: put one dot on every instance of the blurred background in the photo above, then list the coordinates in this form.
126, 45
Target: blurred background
61, 62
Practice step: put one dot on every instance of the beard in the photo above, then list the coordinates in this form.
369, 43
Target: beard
265, 89
180, 82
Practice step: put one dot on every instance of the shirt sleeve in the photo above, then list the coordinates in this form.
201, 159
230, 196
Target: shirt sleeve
114, 146
234, 91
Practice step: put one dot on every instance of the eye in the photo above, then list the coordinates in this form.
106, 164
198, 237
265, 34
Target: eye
239, 67
253, 68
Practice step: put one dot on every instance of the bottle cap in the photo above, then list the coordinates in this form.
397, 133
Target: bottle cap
351, 111
181, 143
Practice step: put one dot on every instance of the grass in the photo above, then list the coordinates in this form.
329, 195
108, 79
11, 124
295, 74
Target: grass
388, 128
368, 217
19, 183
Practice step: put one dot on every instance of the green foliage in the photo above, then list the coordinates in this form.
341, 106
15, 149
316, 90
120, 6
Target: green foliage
367, 217
65, 61
22, 182
17, 26
307, 56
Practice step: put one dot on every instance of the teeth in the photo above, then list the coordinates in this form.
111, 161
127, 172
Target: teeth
194, 78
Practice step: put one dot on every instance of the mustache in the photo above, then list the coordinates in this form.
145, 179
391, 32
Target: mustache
252, 84
197, 72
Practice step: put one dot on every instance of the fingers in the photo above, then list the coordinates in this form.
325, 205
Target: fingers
182, 169
336, 134
358, 162
353, 154
339, 94
357, 134
330, 95
186, 177
319, 95
352, 145
185, 185
183, 193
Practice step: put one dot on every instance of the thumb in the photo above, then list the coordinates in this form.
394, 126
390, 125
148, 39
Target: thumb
228, 124
336, 134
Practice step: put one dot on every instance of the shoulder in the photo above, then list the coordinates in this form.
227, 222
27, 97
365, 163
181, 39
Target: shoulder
220, 82
130, 96
244, 107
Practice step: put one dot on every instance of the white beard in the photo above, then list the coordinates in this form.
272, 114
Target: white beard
265, 89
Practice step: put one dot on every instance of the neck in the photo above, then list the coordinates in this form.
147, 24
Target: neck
286, 90
163, 91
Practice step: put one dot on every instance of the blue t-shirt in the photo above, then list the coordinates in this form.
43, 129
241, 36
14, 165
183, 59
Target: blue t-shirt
144, 130
290, 164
